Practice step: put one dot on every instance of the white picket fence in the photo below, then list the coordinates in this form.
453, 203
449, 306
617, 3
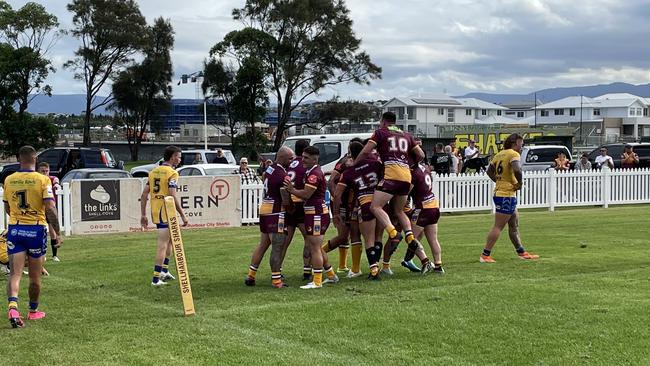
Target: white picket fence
472, 192
62, 206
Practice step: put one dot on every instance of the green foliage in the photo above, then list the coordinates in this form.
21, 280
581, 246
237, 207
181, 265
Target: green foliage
111, 32
38, 132
575, 306
305, 45
333, 110
245, 145
219, 83
143, 90
32, 32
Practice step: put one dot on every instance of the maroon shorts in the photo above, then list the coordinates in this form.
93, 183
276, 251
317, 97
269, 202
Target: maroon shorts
317, 224
424, 216
394, 187
365, 214
273, 223
297, 216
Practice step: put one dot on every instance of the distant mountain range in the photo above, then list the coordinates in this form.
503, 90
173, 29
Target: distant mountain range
74, 103
549, 95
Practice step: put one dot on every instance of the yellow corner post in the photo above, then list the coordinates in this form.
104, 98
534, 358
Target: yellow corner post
179, 256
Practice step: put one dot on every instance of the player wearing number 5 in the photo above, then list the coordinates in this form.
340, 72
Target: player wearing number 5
162, 182
28, 201
394, 147
505, 171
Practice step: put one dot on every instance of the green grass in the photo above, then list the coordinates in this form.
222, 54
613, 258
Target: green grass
585, 302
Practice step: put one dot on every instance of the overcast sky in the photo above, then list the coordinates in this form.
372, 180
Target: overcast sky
434, 46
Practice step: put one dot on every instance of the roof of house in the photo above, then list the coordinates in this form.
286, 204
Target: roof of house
443, 100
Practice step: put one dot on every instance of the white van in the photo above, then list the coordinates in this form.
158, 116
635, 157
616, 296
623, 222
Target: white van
332, 147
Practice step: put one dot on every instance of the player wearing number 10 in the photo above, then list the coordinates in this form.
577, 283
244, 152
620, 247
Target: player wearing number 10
28, 202
162, 182
505, 171
395, 148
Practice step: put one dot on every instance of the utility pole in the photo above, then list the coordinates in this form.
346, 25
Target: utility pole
581, 141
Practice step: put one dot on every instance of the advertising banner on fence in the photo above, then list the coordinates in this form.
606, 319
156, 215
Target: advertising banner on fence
105, 206
112, 206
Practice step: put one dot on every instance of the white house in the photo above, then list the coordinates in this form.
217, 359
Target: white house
611, 114
423, 115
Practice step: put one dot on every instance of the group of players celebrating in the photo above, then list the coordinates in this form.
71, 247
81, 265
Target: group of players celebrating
379, 186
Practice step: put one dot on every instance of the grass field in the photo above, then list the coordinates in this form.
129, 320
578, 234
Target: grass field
585, 302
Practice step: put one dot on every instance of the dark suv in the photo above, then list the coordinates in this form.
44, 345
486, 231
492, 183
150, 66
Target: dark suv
64, 159
616, 150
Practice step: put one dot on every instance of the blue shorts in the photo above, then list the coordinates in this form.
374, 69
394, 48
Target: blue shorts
505, 205
27, 238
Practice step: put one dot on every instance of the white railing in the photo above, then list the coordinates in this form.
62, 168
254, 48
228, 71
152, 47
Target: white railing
251, 197
62, 206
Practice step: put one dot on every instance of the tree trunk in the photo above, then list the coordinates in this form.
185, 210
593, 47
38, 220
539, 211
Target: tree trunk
89, 99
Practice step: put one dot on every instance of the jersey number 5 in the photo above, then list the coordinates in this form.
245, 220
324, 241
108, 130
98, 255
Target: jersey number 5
156, 185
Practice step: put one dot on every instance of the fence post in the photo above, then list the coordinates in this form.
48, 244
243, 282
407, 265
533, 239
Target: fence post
3, 217
435, 187
67, 209
605, 185
552, 189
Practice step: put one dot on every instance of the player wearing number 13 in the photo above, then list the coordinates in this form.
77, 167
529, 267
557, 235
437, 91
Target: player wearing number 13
505, 171
28, 201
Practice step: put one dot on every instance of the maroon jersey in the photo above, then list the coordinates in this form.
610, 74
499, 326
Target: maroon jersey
315, 178
273, 180
296, 172
362, 178
394, 146
421, 193
340, 167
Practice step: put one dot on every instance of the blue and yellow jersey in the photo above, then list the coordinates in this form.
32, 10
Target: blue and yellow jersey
505, 185
26, 192
161, 180
4, 256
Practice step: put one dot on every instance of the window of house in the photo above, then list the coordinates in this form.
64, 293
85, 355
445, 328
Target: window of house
544, 112
559, 112
450, 115
645, 112
412, 112
639, 111
572, 112
498, 112
411, 129
520, 114
596, 111
510, 113
483, 112
441, 111
468, 112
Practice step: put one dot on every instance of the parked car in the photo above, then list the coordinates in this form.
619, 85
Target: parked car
541, 157
616, 150
188, 157
95, 173
64, 159
207, 169
331, 147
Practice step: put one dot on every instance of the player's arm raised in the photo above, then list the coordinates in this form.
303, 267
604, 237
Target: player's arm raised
144, 197
516, 169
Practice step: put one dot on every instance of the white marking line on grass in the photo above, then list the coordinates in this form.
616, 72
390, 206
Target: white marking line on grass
252, 333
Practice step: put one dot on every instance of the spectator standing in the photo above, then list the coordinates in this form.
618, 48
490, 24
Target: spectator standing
453, 167
443, 161
583, 163
247, 174
472, 158
629, 159
604, 159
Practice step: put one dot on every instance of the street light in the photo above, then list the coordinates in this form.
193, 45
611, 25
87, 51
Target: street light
194, 78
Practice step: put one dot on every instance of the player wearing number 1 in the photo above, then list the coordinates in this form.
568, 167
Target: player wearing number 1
29, 202
394, 147
162, 182
505, 171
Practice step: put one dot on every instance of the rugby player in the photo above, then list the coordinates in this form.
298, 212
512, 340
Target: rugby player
44, 168
295, 216
424, 220
317, 217
162, 182
362, 179
273, 229
29, 202
505, 171
394, 147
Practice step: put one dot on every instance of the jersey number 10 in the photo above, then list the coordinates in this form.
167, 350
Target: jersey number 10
398, 143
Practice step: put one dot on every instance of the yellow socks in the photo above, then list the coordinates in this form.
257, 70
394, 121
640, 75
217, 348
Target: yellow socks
357, 250
343, 256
